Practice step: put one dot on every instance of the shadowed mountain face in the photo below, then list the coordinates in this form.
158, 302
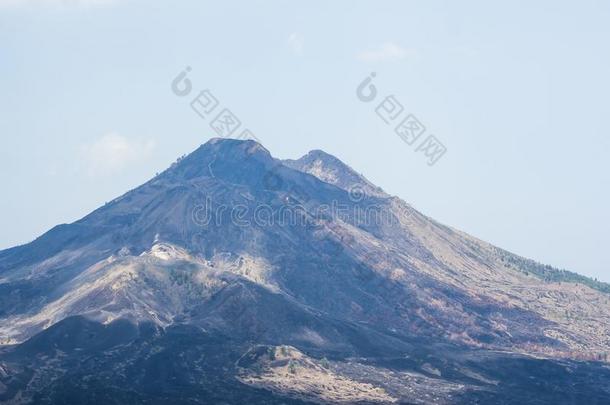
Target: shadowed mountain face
235, 277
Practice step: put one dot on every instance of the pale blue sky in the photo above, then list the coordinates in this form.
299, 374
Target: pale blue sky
517, 91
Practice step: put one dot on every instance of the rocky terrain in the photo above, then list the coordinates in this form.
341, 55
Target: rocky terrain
234, 277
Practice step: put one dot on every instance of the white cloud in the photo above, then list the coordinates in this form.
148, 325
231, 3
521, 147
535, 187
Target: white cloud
386, 52
112, 153
54, 3
295, 42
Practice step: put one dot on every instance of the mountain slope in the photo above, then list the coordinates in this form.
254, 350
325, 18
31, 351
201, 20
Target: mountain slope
230, 243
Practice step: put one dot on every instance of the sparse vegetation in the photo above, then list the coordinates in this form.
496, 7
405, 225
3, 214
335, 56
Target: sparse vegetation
548, 273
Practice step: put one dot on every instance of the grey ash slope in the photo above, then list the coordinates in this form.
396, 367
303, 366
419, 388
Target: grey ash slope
420, 304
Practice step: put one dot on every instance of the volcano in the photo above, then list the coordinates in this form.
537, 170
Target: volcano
234, 277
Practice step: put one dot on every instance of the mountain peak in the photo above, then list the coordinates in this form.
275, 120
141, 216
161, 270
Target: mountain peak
233, 143
228, 147
320, 154
219, 155
330, 169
